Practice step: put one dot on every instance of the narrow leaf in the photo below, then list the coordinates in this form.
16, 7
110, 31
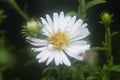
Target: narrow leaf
94, 2
114, 33
72, 13
97, 48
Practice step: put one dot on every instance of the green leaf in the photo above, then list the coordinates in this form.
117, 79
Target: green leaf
116, 68
97, 48
103, 43
94, 2
72, 13
114, 33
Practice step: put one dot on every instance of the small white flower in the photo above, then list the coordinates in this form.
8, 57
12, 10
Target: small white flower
64, 37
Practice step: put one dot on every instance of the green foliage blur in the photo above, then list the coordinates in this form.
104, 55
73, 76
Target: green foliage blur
6, 58
94, 67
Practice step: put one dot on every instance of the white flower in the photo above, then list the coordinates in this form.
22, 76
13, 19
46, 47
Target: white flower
63, 37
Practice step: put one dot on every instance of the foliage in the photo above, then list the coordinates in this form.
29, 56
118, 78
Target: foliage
89, 69
6, 58
2, 16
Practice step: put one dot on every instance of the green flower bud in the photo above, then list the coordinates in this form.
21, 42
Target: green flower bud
32, 28
106, 18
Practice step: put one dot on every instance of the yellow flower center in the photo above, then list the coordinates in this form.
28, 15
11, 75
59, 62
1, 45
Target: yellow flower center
59, 39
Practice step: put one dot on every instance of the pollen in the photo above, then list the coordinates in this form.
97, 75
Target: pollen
59, 39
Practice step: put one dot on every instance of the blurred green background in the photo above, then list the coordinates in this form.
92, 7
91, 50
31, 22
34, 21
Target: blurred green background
12, 26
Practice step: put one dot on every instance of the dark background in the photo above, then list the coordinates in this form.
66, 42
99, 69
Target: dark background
37, 8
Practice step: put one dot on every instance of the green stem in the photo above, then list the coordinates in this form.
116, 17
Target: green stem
108, 47
82, 9
108, 51
1, 76
18, 9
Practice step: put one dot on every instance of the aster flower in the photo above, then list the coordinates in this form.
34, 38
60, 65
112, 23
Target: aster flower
63, 37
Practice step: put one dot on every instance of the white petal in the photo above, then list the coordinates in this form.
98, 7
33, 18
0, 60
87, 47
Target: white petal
47, 27
38, 44
65, 23
79, 32
70, 24
77, 49
73, 50
57, 58
55, 20
38, 49
51, 57
60, 57
72, 21
65, 59
79, 43
43, 21
45, 32
76, 26
44, 58
79, 57
36, 40
73, 32
61, 18
42, 54
80, 35
85, 47
83, 26
74, 55
61, 15
49, 20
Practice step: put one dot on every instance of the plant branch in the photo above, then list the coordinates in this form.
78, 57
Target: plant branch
18, 9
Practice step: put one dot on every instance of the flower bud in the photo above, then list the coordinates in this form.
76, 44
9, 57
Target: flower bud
32, 28
106, 18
